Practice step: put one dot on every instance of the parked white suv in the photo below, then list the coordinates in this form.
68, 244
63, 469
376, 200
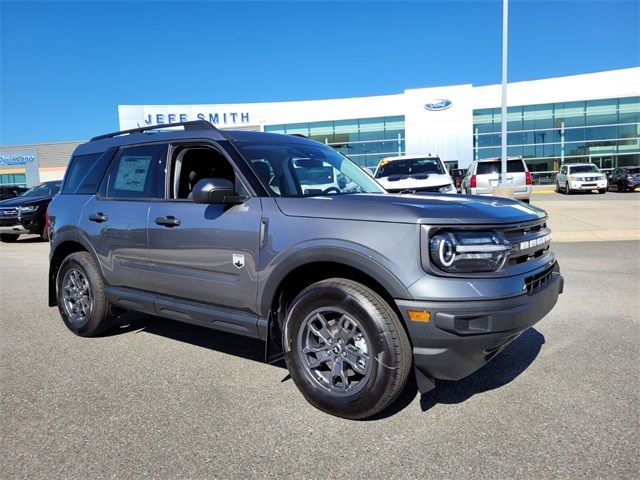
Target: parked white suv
415, 173
574, 177
484, 175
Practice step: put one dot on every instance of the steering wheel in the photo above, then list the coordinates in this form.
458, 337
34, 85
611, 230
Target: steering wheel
331, 189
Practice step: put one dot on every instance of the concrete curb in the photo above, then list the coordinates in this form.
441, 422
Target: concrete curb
596, 236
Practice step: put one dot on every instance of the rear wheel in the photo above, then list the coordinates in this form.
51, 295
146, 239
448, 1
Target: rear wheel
346, 349
81, 300
8, 237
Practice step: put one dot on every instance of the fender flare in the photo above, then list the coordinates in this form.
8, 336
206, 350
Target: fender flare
321, 253
60, 239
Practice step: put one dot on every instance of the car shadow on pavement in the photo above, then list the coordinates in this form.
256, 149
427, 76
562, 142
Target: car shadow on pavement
504, 368
501, 370
228, 343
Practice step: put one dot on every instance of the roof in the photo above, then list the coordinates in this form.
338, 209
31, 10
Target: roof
200, 130
409, 157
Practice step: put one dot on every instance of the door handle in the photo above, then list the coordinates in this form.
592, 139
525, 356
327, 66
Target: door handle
168, 221
98, 217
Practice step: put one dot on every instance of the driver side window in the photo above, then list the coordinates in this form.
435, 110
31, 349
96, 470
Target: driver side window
190, 164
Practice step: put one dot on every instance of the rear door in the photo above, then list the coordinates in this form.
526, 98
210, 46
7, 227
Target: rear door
115, 220
487, 177
516, 175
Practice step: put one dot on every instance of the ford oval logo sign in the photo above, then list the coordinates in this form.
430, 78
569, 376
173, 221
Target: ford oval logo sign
440, 104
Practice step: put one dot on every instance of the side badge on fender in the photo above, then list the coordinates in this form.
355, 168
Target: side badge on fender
238, 260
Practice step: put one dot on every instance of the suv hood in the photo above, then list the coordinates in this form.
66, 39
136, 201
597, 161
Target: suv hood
434, 209
396, 182
23, 201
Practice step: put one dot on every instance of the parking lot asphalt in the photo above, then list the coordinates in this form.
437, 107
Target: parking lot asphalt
160, 399
586, 217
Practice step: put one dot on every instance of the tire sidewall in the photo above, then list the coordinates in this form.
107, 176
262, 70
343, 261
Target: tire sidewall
93, 322
366, 313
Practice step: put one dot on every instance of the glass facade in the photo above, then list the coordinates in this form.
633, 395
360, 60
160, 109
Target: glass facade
19, 179
604, 132
363, 140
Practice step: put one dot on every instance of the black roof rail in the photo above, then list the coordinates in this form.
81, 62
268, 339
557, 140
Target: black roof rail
192, 125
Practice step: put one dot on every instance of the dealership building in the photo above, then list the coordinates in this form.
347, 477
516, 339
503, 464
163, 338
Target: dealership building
581, 118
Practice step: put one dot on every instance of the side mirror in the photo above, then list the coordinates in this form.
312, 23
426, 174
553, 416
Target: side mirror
216, 191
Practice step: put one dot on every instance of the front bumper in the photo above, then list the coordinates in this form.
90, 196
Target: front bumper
21, 225
587, 186
461, 337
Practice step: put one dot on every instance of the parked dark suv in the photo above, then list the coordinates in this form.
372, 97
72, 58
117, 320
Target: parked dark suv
281, 238
26, 213
10, 191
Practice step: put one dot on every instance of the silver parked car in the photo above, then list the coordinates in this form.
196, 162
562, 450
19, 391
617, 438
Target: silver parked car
483, 175
574, 177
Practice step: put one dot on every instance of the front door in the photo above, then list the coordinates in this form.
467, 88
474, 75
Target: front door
199, 252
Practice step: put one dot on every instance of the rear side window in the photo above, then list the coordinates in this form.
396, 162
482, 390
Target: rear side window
135, 173
84, 174
513, 166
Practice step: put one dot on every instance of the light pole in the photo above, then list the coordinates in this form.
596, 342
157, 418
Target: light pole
503, 116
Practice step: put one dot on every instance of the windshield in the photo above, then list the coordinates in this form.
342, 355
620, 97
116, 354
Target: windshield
633, 170
414, 166
42, 190
584, 169
306, 170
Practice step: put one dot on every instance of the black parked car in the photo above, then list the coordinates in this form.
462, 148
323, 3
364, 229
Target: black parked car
26, 213
625, 178
10, 191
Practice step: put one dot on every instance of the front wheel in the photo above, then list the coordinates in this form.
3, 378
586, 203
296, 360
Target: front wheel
567, 189
602, 190
81, 299
346, 349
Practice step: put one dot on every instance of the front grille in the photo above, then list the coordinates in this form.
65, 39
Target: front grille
8, 212
539, 279
435, 189
518, 236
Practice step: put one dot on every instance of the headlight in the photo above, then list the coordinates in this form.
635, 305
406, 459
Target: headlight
27, 209
445, 188
461, 252
573, 178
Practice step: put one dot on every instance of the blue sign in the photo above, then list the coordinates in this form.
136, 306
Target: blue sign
439, 104
17, 158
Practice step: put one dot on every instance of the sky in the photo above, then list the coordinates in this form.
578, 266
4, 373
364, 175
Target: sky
65, 66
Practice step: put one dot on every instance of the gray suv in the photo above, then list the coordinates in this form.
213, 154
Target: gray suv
281, 238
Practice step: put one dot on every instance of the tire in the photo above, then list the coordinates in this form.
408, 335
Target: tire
45, 234
602, 190
79, 284
567, 189
557, 187
527, 200
346, 349
8, 237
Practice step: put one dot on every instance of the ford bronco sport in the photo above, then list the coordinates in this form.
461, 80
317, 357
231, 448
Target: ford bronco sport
238, 231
